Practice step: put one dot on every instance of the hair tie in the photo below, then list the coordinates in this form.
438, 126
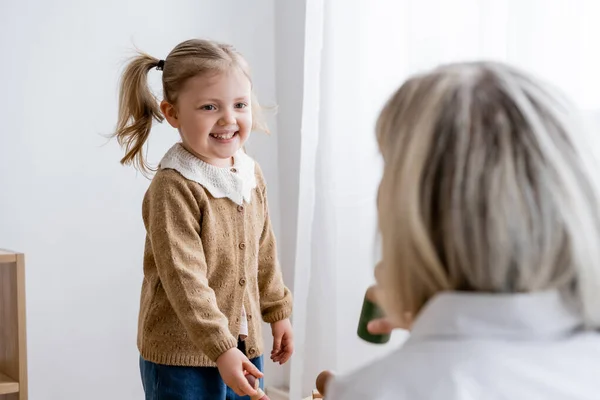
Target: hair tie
160, 65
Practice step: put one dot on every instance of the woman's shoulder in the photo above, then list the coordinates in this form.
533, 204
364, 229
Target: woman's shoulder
447, 369
373, 381
414, 370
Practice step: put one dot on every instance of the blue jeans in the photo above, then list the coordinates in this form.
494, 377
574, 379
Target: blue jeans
166, 382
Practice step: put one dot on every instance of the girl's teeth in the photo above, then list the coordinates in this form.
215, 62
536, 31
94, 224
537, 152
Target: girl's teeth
228, 136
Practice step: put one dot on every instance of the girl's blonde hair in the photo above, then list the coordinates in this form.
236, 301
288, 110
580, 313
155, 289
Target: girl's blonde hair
138, 106
487, 187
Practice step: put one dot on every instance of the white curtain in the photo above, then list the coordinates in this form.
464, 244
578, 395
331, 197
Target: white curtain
357, 53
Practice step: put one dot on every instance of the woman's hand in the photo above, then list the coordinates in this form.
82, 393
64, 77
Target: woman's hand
385, 326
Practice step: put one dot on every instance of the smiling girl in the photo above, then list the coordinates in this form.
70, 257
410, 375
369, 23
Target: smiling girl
210, 263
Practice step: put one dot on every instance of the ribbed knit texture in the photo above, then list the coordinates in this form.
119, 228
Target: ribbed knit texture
204, 259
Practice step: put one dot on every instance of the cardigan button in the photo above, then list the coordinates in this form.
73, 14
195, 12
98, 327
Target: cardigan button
234, 170
242, 246
242, 282
240, 208
252, 351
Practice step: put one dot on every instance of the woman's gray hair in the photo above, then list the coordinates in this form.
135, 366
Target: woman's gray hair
489, 185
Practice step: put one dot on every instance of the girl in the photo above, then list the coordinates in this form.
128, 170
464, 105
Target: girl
210, 263
489, 216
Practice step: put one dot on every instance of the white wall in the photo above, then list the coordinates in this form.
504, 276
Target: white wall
289, 51
64, 199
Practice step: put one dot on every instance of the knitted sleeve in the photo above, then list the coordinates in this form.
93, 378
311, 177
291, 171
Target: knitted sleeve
275, 298
172, 217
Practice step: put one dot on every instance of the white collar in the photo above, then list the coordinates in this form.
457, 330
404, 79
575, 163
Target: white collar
510, 316
236, 183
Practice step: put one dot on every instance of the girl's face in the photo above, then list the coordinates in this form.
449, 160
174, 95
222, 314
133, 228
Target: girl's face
213, 115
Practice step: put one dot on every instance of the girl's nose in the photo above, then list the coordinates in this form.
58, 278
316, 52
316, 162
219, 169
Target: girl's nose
227, 119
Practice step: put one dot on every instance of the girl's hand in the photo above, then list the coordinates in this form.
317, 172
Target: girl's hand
232, 365
283, 341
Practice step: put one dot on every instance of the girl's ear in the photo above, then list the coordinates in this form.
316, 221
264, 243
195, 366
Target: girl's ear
170, 113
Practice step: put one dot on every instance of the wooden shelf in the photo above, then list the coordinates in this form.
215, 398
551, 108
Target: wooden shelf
8, 385
13, 338
7, 256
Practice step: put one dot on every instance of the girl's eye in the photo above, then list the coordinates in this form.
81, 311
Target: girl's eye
208, 107
241, 105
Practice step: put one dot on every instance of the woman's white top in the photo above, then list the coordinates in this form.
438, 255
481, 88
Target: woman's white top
485, 347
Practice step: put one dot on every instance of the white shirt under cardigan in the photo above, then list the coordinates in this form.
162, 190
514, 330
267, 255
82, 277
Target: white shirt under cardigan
485, 347
235, 183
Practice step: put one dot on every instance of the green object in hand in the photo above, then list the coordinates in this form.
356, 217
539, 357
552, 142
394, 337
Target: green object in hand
370, 311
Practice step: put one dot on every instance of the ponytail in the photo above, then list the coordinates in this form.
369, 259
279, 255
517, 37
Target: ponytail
137, 108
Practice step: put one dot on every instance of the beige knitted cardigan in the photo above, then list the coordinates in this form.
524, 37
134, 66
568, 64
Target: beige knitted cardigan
205, 258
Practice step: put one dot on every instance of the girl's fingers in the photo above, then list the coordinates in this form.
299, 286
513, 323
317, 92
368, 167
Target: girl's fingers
243, 387
252, 370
